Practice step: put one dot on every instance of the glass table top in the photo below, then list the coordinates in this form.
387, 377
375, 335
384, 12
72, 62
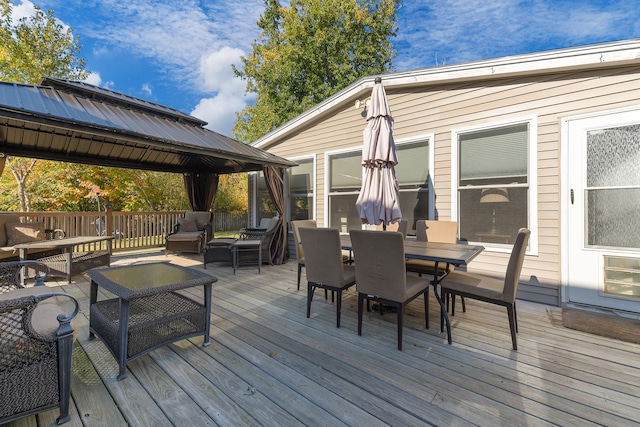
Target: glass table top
130, 280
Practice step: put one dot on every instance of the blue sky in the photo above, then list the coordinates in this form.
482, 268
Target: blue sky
179, 53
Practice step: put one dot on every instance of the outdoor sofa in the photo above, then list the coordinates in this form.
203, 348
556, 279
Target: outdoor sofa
12, 232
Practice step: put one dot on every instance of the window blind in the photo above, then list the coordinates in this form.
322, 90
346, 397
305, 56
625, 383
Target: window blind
495, 153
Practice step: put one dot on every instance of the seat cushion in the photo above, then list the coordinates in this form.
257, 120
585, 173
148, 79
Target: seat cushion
474, 284
44, 319
188, 236
427, 267
415, 286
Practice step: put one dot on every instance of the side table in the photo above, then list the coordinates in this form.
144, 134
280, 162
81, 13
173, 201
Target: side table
148, 312
248, 245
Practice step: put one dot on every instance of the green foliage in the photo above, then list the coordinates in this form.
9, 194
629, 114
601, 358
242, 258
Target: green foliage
232, 195
310, 51
37, 46
71, 187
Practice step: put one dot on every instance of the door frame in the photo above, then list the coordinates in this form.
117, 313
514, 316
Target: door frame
565, 192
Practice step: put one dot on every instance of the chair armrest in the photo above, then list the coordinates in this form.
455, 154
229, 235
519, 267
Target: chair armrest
64, 320
176, 228
54, 233
41, 269
253, 233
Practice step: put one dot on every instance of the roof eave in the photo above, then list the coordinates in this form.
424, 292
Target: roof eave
593, 56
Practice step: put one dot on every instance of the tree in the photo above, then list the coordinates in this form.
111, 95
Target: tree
232, 193
30, 48
37, 46
310, 51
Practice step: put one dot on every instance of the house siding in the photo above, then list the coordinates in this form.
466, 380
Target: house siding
439, 109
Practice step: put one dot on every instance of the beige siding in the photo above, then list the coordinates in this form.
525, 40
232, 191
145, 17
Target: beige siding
439, 109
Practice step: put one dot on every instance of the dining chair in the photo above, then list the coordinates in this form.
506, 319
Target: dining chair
399, 226
324, 264
381, 275
299, 249
441, 232
492, 290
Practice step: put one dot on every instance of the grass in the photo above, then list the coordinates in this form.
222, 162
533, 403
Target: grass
227, 234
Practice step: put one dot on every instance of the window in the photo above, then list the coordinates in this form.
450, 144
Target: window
493, 182
344, 182
412, 173
301, 189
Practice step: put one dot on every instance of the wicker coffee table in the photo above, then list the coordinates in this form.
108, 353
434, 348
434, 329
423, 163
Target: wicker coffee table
148, 312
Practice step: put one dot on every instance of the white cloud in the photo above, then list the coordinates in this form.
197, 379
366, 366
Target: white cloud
94, 78
22, 10
216, 76
192, 43
219, 111
146, 88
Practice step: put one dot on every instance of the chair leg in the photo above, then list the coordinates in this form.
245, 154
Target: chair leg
310, 290
515, 316
360, 304
338, 307
425, 297
453, 303
299, 274
511, 312
399, 309
464, 306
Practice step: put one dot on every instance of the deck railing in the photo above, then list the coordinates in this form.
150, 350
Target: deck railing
131, 230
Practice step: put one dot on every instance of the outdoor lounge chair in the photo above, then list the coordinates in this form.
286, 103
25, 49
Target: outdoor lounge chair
266, 235
36, 342
324, 265
381, 275
492, 290
191, 233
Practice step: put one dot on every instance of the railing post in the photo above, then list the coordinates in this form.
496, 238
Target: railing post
108, 210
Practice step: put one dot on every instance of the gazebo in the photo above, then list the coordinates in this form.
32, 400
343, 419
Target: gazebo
73, 121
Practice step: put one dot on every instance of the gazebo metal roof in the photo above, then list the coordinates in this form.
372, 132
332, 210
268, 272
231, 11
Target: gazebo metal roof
77, 122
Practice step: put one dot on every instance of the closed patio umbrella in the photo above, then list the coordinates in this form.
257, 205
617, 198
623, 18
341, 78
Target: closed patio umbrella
379, 198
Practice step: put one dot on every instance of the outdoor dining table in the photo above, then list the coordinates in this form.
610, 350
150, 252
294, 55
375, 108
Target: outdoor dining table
456, 254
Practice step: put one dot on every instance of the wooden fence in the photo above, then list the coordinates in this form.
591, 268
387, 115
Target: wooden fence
131, 230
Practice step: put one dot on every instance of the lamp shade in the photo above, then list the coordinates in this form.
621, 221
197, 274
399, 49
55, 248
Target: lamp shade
494, 195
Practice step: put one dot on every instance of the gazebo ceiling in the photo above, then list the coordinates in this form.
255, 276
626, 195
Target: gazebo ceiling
76, 122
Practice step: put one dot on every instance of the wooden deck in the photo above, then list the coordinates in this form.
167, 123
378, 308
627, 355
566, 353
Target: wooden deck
270, 365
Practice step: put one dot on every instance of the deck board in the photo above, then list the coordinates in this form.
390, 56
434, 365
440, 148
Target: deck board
269, 365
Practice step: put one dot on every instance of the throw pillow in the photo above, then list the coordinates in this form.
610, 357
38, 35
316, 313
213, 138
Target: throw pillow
19, 232
187, 224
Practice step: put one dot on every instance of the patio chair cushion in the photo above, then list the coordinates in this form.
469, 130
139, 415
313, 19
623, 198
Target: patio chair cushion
188, 236
187, 225
6, 218
201, 218
44, 320
18, 232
